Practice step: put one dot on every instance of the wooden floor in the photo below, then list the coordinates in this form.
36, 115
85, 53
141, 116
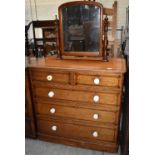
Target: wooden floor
37, 147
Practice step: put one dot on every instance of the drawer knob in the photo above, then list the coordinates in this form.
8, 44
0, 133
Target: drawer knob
54, 128
49, 77
96, 98
95, 116
52, 110
51, 94
95, 134
96, 81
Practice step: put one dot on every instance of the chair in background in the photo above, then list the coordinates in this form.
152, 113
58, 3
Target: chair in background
114, 43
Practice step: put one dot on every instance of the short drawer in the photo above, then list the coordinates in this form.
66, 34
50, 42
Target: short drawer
76, 131
76, 113
50, 76
106, 81
78, 96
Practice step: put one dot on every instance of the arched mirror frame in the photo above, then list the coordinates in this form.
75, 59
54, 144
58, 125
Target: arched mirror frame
96, 54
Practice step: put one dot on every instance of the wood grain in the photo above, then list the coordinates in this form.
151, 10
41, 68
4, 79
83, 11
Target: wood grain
80, 96
57, 77
74, 89
104, 146
113, 66
76, 113
107, 81
75, 131
30, 128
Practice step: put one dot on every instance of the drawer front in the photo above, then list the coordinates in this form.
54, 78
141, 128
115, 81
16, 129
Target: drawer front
107, 81
75, 131
77, 113
49, 76
78, 96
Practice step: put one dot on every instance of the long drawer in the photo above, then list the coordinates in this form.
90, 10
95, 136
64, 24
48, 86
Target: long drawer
78, 96
76, 131
76, 113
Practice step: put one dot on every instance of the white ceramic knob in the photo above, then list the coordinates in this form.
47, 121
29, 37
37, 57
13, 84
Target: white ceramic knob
95, 116
54, 128
49, 77
51, 94
96, 81
95, 134
52, 110
96, 98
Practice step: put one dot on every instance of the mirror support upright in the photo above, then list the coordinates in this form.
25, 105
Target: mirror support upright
105, 46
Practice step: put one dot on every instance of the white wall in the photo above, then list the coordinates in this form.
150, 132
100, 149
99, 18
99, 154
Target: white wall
47, 9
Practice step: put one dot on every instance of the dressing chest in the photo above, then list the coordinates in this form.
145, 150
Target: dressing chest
76, 96
78, 102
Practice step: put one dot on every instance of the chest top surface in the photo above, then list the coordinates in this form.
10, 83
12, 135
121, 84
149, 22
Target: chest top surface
114, 65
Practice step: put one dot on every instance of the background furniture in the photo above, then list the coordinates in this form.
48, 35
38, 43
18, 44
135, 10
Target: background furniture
125, 121
49, 40
27, 47
114, 43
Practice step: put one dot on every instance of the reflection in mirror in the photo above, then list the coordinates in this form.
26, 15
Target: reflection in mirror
81, 28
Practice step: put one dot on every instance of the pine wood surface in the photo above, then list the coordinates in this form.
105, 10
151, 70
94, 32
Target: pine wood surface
74, 90
114, 65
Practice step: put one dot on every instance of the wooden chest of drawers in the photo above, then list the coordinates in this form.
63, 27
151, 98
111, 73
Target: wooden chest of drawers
78, 102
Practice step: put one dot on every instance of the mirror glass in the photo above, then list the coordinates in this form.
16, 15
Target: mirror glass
81, 28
